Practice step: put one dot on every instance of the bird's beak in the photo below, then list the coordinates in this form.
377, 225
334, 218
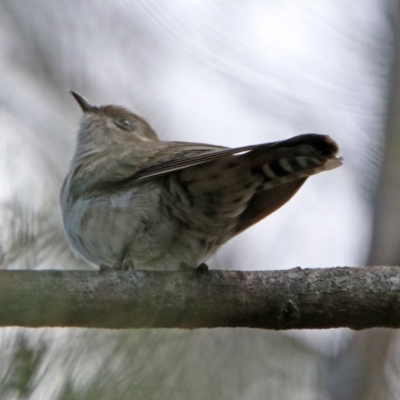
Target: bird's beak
86, 107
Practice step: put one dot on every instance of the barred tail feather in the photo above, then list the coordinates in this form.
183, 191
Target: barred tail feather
282, 169
295, 168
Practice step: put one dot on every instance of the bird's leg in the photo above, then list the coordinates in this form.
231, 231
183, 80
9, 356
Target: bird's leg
123, 264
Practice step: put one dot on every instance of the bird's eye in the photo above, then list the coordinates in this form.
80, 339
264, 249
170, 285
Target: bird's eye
125, 124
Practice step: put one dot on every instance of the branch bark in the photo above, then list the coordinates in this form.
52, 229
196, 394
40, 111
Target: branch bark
357, 298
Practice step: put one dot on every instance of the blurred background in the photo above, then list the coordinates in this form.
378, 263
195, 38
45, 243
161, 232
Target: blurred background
228, 73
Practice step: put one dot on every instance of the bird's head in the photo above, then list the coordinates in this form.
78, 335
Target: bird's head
105, 126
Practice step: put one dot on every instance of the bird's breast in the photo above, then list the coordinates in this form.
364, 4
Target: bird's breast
101, 228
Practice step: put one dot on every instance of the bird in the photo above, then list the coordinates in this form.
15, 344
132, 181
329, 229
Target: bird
133, 201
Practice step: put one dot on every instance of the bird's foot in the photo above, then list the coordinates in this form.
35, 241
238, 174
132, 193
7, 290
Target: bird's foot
124, 265
118, 266
104, 268
128, 265
202, 268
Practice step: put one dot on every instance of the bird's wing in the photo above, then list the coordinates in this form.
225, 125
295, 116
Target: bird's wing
180, 155
174, 156
127, 165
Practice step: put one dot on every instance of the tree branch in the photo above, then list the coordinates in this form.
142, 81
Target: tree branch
357, 298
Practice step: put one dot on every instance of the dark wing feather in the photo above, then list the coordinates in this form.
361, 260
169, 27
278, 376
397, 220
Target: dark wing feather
179, 155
